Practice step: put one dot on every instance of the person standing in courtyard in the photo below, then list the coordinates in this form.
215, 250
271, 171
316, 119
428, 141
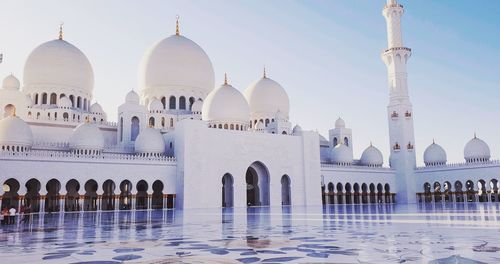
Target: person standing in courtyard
26, 214
2, 216
12, 215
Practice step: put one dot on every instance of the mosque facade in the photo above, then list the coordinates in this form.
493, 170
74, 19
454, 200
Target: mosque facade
184, 142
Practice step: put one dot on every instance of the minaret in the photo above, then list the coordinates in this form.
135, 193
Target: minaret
399, 110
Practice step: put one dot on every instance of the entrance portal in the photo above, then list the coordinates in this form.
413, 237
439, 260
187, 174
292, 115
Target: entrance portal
257, 179
227, 190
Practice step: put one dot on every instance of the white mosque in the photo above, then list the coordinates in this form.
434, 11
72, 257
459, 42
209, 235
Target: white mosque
185, 142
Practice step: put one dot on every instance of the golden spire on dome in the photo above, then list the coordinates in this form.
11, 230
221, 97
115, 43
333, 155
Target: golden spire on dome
14, 112
225, 78
264, 76
61, 31
177, 32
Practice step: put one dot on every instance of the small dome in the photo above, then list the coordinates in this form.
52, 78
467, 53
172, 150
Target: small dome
266, 97
149, 141
197, 106
59, 63
64, 102
15, 132
155, 105
174, 62
476, 150
226, 104
86, 136
297, 130
339, 123
372, 157
11, 83
341, 154
434, 155
96, 108
132, 97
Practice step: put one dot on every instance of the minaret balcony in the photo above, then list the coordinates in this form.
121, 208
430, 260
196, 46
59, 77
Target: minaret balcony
408, 114
394, 115
393, 5
396, 49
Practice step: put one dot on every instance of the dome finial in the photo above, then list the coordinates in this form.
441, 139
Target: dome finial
61, 30
177, 25
371, 145
475, 135
433, 142
14, 112
264, 76
225, 78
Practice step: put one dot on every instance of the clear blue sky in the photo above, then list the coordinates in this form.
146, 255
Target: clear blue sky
325, 53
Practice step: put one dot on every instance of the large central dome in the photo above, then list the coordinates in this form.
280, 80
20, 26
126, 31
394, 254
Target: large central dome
58, 64
176, 63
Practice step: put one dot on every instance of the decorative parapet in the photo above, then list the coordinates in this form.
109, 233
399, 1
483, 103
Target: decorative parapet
359, 167
69, 121
50, 145
69, 156
490, 163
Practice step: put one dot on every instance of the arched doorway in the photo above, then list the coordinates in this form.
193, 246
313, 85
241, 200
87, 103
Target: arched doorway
107, 199
257, 179
32, 197
10, 197
331, 193
494, 190
372, 193
427, 192
142, 195
125, 195
482, 192
380, 191
90, 201
72, 196
134, 128
447, 191
340, 193
387, 193
357, 196
52, 199
459, 196
437, 192
323, 194
157, 199
364, 193
286, 191
469, 188
348, 193
227, 190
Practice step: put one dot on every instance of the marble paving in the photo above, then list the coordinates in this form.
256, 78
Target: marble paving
443, 233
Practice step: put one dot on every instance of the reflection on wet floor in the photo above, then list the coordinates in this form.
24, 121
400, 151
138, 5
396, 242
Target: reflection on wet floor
384, 233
